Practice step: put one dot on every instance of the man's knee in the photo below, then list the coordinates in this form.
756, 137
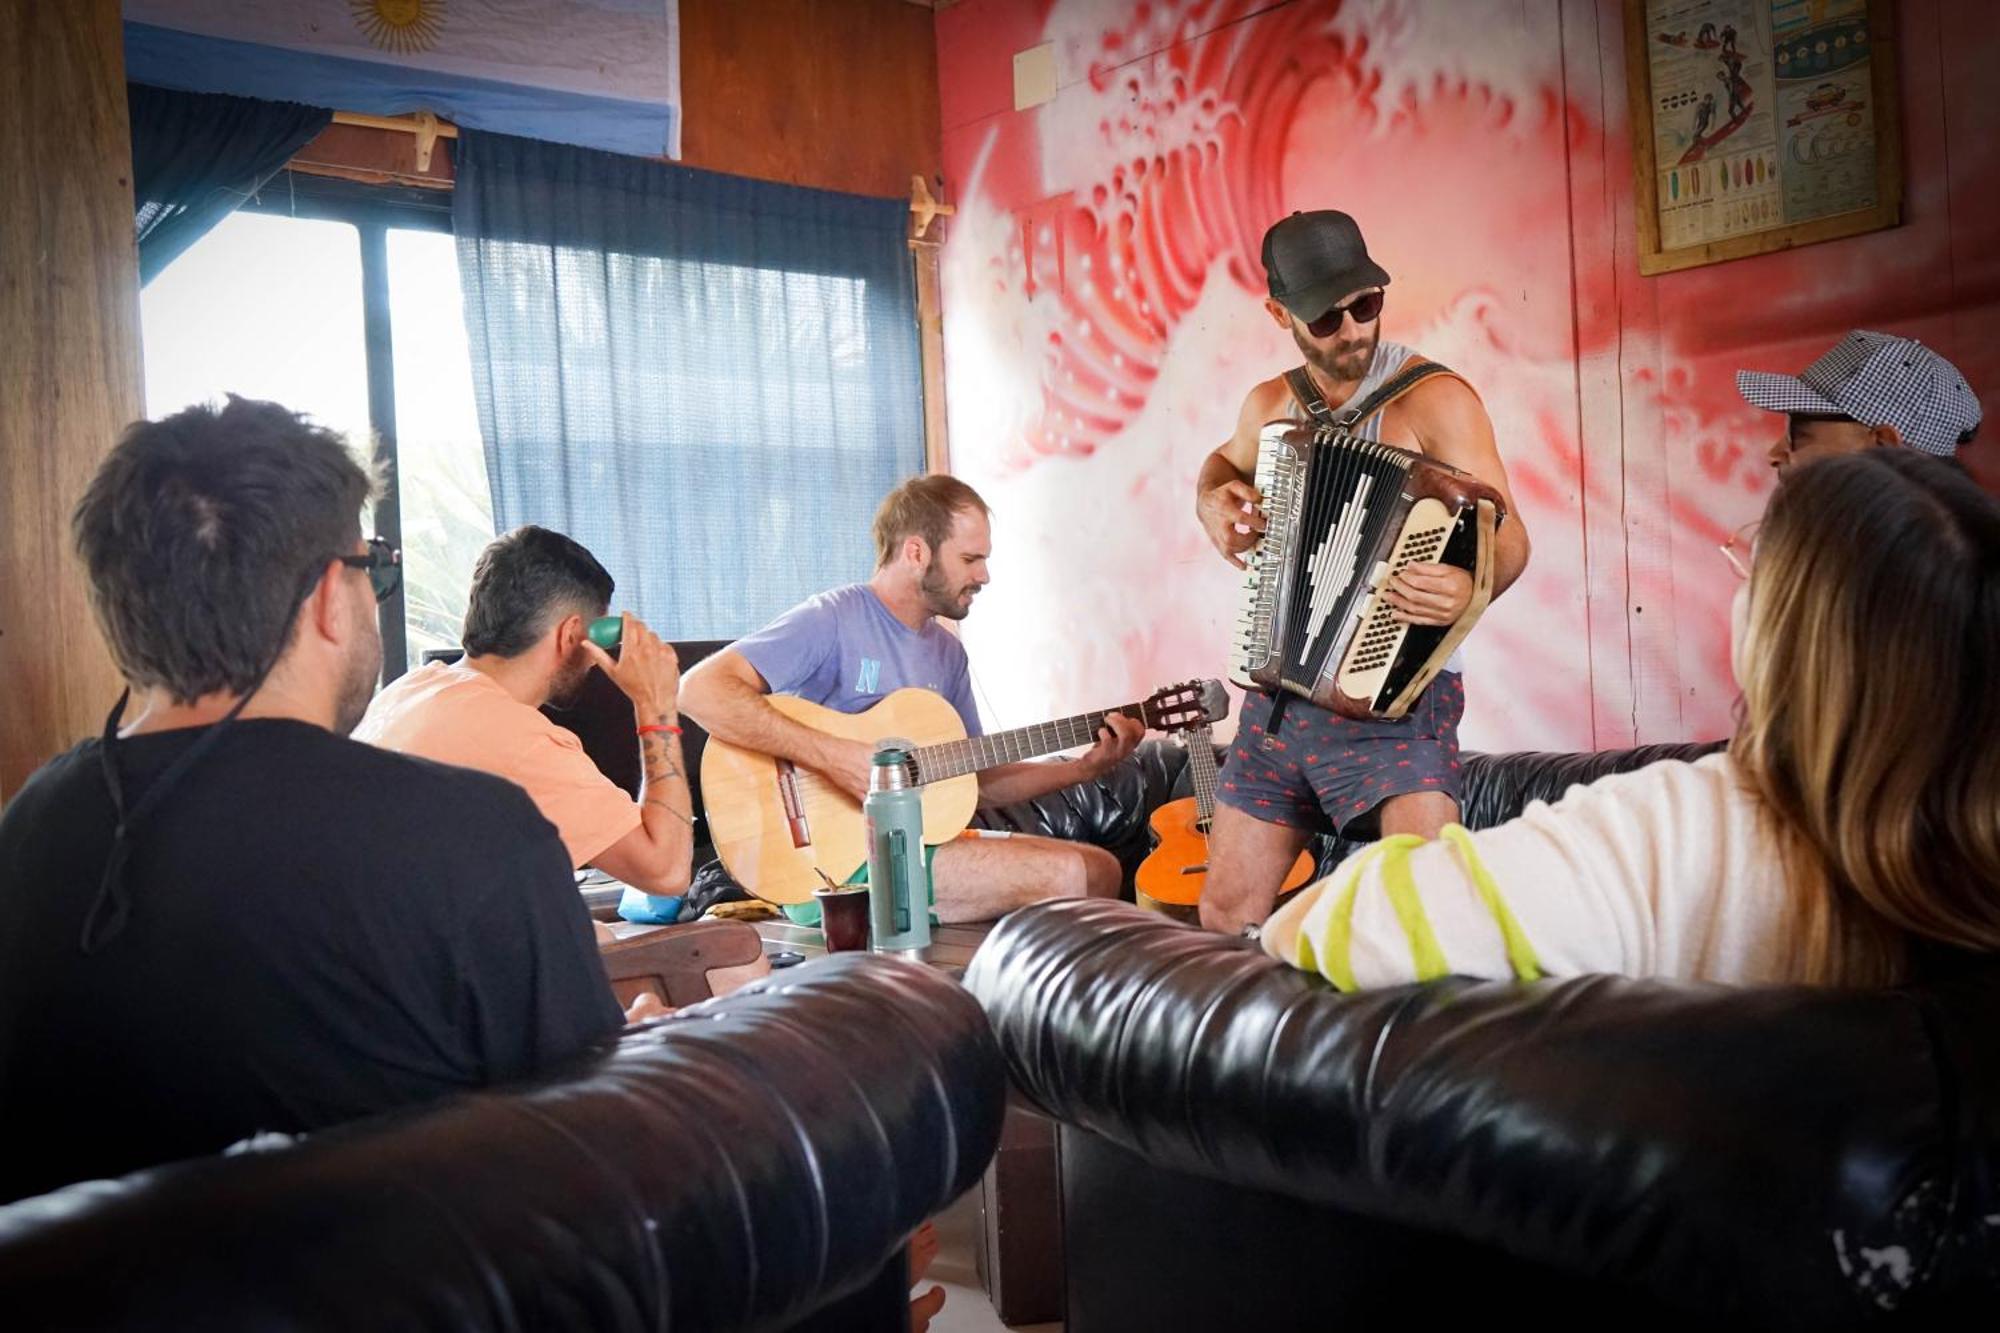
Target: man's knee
1084, 871
1424, 813
1103, 876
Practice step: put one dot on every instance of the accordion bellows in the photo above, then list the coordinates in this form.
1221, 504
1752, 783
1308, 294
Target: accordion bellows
1342, 514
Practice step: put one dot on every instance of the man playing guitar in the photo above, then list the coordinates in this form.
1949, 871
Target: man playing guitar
1314, 768
849, 647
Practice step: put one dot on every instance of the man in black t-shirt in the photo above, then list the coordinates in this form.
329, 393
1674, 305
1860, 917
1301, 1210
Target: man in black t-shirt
223, 916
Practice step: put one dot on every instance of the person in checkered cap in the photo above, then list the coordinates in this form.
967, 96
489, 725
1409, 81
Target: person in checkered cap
1870, 389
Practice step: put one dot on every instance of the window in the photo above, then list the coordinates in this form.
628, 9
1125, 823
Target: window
265, 307
716, 426
440, 464
343, 303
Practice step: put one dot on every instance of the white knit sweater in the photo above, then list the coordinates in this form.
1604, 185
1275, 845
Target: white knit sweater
1668, 871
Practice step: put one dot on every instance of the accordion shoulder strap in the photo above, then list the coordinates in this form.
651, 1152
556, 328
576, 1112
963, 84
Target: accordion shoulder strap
1308, 395
1404, 380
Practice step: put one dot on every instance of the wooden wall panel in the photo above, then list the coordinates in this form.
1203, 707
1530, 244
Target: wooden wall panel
1594, 222
1967, 30
69, 355
835, 94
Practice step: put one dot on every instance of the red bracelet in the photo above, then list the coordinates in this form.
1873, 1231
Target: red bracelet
652, 727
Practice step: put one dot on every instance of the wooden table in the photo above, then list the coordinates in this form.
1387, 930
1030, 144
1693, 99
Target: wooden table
951, 947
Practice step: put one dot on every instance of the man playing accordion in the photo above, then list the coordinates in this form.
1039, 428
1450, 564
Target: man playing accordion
1309, 768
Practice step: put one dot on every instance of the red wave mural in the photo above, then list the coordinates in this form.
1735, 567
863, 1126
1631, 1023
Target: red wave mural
1103, 321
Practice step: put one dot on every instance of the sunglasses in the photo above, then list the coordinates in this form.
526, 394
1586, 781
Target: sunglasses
1365, 308
384, 564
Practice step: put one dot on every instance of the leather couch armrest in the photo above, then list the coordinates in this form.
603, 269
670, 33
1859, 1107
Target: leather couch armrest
735, 1166
1785, 1156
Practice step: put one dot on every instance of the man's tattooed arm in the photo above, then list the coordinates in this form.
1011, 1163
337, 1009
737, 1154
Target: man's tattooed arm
666, 785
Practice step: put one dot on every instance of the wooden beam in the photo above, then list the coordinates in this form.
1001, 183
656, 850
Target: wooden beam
69, 375
931, 349
373, 156
427, 128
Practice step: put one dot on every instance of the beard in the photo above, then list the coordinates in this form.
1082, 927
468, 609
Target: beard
1345, 362
940, 598
357, 682
568, 682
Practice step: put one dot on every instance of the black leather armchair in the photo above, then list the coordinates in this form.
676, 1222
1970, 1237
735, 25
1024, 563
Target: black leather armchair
756, 1162
1243, 1147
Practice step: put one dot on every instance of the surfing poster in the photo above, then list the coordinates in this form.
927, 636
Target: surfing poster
1715, 122
1760, 115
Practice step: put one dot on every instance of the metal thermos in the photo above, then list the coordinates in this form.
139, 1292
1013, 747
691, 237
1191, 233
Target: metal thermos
898, 906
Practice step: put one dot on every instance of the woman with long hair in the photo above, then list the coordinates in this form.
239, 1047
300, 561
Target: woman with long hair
1851, 828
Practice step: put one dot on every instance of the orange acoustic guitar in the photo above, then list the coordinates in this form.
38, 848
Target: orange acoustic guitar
1171, 877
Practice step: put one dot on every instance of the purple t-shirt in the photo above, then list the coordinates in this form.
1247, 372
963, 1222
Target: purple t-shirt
844, 650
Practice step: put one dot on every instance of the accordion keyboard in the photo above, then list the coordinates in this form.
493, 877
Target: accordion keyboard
1280, 470
1365, 669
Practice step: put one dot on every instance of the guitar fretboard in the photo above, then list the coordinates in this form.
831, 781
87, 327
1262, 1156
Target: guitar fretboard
1201, 774
954, 759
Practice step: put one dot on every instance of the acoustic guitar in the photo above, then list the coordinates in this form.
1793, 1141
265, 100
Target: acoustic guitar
1173, 874
779, 826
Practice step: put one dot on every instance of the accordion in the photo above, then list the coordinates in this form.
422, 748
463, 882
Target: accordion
1342, 514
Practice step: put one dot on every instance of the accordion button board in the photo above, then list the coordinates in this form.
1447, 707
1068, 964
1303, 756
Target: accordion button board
1342, 515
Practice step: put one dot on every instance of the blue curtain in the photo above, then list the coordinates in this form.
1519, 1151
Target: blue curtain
708, 381
196, 156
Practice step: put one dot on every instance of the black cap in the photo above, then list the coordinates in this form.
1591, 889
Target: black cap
1313, 259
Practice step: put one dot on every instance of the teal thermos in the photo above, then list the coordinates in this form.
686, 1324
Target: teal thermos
898, 905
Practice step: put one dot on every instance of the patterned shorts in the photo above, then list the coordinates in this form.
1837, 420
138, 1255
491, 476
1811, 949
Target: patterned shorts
1327, 770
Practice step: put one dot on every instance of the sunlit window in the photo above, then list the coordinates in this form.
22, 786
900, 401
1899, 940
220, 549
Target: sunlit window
272, 306
265, 307
441, 465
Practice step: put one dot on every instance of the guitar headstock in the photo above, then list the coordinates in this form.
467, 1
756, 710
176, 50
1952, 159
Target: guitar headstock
1185, 706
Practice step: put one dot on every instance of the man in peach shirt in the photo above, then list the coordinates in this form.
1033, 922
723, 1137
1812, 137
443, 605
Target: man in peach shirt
534, 594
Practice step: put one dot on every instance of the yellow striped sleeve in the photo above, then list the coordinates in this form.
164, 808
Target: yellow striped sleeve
1520, 953
1326, 946
1329, 951
1426, 958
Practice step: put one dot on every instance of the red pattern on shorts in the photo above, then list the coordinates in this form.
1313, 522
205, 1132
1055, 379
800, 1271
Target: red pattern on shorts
1348, 767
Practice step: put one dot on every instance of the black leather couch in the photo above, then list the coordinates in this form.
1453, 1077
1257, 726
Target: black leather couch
1243, 1147
756, 1162
1112, 811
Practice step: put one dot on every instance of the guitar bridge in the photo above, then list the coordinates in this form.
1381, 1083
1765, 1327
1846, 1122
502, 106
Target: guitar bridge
795, 809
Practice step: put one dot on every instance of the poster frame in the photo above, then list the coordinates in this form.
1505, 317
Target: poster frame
1886, 212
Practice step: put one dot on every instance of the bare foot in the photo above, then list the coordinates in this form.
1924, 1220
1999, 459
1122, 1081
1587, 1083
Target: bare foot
923, 1251
925, 1308
722, 980
648, 1006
